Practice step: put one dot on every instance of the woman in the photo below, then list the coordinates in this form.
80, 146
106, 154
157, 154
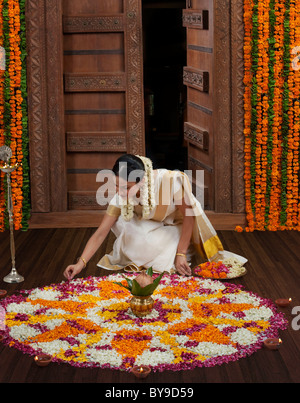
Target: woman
157, 221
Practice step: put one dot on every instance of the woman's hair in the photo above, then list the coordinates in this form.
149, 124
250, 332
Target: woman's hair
130, 168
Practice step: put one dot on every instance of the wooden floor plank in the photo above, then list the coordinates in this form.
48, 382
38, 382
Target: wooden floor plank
273, 272
92, 219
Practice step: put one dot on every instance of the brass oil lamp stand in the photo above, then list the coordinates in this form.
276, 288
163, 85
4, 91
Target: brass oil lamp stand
5, 154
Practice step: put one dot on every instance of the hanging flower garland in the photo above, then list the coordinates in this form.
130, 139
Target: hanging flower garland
293, 123
272, 113
277, 21
248, 175
88, 323
2, 195
13, 110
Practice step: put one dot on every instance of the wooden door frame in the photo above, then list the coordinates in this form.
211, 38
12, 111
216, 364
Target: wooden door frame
229, 106
45, 106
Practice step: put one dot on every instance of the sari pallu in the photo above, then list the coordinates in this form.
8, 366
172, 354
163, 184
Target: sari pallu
152, 242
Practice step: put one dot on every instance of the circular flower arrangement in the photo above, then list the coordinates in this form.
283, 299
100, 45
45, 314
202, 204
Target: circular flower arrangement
87, 322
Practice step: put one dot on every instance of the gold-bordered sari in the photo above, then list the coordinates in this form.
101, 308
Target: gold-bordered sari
153, 242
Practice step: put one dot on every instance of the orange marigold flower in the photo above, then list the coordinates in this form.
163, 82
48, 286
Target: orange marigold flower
238, 228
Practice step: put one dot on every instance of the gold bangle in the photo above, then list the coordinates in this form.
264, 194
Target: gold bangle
180, 254
83, 259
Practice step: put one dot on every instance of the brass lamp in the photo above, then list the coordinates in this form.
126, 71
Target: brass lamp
5, 155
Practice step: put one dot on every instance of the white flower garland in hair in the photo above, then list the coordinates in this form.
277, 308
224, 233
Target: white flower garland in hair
147, 194
127, 208
147, 191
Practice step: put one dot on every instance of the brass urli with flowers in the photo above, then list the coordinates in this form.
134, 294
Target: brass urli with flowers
141, 288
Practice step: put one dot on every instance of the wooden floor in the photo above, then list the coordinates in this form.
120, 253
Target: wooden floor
273, 272
92, 219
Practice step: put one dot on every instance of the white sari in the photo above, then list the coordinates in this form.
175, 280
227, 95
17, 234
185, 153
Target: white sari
153, 242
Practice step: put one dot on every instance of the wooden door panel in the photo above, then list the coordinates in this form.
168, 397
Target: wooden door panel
102, 101
197, 162
103, 90
108, 123
195, 35
84, 180
72, 7
106, 61
200, 58
199, 98
87, 178
90, 161
102, 41
101, 52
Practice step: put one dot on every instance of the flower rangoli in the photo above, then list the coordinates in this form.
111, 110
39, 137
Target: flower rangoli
88, 322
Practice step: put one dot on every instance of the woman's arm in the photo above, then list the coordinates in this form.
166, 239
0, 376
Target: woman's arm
91, 247
181, 263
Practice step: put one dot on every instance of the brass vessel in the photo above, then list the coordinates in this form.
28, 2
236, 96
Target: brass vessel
141, 306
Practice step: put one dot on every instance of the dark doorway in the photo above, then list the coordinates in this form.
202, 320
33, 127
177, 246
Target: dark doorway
164, 40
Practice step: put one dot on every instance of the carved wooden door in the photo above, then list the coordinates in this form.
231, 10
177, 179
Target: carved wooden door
103, 91
197, 76
85, 97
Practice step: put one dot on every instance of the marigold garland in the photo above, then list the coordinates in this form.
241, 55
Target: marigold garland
272, 114
13, 110
88, 323
2, 198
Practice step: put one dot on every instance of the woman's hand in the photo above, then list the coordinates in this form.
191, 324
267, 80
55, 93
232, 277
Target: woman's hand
91, 247
182, 266
72, 270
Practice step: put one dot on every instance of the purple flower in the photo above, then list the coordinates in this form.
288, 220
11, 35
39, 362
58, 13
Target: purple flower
70, 353
22, 317
104, 347
71, 340
239, 315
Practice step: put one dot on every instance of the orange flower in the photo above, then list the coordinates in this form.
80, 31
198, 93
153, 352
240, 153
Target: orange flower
2, 138
264, 137
238, 228
16, 115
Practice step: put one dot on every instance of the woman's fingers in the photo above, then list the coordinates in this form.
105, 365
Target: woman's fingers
182, 266
69, 272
